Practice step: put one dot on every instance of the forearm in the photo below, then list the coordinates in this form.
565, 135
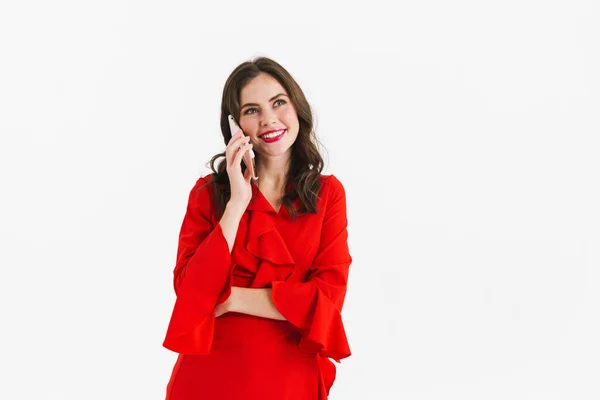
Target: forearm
230, 221
256, 302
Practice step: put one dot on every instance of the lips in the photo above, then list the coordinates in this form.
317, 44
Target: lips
279, 135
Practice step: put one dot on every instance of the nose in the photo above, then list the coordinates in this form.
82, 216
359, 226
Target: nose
268, 118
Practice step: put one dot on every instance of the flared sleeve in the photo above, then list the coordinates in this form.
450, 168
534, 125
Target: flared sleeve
202, 276
314, 306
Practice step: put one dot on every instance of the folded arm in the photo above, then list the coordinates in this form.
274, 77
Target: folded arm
251, 301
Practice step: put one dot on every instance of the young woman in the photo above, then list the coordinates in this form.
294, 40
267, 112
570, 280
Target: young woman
262, 264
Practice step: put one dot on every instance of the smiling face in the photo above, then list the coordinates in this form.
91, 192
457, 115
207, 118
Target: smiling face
265, 106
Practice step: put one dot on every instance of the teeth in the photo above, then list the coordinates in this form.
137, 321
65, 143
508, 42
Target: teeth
272, 135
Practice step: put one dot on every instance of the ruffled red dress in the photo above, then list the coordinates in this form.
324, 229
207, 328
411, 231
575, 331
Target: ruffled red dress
305, 262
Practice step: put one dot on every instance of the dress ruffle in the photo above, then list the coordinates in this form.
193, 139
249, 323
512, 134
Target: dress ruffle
265, 243
309, 309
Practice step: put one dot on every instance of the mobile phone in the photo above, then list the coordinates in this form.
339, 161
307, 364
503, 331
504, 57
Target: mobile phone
248, 158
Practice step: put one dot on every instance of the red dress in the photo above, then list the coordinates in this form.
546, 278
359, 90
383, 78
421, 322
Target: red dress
305, 262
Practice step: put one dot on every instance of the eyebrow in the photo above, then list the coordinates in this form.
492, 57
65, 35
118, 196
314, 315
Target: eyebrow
270, 100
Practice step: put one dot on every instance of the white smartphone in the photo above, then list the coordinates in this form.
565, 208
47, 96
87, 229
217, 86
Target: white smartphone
248, 158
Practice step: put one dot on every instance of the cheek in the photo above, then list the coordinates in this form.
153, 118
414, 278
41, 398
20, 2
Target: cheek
290, 117
247, 126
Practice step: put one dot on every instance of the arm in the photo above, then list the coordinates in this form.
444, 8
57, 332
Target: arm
231, 221
250, 301
314, 307
203, 274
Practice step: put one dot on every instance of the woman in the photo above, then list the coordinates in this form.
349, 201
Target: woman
262, 265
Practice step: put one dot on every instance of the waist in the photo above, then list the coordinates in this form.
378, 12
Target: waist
248, 330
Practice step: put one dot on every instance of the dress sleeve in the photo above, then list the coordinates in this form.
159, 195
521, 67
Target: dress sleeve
201, 278
314, 306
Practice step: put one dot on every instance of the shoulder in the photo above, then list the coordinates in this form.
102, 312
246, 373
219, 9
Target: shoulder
331, 183
201, 193
205, 179
332, 189
203, 182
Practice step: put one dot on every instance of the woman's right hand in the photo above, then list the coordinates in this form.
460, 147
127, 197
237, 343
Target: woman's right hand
241, 189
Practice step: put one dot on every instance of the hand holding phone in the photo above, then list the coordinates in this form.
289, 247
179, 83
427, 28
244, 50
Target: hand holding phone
249, 155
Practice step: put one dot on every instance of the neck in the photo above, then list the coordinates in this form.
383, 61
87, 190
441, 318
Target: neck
272, 171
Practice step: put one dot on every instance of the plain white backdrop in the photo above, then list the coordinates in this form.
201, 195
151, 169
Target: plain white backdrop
465, 134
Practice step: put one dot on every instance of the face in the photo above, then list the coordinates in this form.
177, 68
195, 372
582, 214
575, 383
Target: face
266, 107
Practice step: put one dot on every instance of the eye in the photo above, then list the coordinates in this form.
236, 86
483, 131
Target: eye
276, 101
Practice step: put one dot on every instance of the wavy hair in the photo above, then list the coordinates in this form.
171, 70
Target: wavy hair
305, 164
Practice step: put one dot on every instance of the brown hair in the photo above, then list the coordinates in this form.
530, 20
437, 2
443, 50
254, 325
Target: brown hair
306, 163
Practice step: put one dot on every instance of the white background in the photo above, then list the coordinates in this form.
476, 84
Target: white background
464, 132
